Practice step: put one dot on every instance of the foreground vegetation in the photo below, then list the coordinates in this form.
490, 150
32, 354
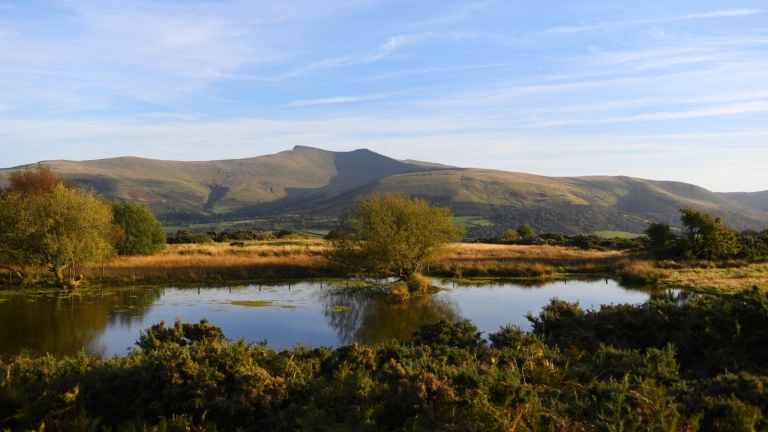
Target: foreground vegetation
696, 365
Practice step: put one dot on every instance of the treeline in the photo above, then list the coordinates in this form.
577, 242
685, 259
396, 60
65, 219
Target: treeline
700, 364
186, 236
525, 235
565, 219
703, 237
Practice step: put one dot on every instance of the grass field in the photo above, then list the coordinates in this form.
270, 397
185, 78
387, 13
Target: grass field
470, 221
316, 233
615, 234
213, 226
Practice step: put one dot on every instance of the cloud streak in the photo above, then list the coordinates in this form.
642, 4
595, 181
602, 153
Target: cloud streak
721, 14
332, 100
621, 25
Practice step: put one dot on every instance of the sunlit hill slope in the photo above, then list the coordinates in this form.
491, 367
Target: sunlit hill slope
312, 181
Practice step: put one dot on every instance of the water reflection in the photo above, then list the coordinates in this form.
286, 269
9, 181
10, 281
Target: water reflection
304, 312
61, 324
372, 317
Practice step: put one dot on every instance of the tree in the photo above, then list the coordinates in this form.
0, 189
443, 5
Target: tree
143, 233
662, 242
752, 247
509, 234
37, 181
392, 234
53, 230
707, 237
525, 230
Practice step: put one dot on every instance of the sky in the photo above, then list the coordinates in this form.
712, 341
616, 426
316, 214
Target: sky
666, 90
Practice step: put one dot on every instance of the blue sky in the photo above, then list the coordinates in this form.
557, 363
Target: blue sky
668, 90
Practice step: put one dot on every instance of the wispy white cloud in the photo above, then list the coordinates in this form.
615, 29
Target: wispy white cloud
384, 50
720, 14
85, 54
622, 25
601, 27
434, 70
332, 100
717, 111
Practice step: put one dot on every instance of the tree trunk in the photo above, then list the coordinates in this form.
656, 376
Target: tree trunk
59, 277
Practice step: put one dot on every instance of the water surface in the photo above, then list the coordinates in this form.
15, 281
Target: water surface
109, 322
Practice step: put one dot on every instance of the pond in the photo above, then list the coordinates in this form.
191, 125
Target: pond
313, 313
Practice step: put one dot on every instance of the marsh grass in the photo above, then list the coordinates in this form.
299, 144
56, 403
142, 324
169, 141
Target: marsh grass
273, 261
419, 283
211, 262
640, 272
719, 280
252, 303
520, 261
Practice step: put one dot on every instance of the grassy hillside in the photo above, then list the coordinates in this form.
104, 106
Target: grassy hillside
306, 181
174, 189
562, 204
756, 200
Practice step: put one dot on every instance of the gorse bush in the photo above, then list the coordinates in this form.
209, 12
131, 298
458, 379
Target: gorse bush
666, 365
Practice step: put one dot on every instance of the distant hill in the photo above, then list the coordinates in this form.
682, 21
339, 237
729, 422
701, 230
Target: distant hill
309, 181
756, 200
190, 189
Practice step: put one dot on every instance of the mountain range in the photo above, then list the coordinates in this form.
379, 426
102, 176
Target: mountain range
307, 181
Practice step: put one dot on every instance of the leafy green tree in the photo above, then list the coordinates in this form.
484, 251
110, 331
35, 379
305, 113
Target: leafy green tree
57, 229
52, 227
525, 230
752, 247
143, 233
392, 234
706, 236
509, 234
662, 242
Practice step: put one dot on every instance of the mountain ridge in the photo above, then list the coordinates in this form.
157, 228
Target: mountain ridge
311, 181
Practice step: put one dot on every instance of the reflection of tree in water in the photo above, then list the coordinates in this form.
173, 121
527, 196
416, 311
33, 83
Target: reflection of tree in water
62, 324
660, 293
374, 317
520, 283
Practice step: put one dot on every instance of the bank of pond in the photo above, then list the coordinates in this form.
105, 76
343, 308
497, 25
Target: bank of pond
642, 361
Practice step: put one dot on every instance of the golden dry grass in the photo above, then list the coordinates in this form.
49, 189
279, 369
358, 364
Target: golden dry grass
556, 255
275, 259
471, 260
270, 260
256, 260
640, 272
719, 280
